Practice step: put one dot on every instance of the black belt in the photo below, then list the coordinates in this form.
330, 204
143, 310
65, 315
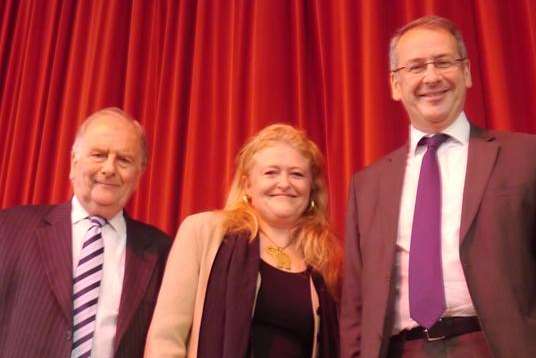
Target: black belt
446, 327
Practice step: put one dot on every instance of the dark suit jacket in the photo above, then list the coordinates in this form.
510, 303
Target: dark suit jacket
36, 283
497, 246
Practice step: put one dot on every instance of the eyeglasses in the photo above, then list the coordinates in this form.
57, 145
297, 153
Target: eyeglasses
442, 64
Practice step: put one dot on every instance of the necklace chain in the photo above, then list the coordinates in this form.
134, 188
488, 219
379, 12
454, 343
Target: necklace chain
276, 245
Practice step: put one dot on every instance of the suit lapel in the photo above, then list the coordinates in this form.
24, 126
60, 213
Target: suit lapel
54, 239
483, 150
139, 266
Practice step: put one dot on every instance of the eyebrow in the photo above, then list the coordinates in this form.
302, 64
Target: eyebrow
124, 155
435, 57
274, 166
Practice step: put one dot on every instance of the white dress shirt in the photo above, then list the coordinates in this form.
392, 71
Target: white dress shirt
114, 234
452, 159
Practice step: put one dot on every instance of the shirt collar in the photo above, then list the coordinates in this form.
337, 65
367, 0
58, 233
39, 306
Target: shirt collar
78, 213
458, 132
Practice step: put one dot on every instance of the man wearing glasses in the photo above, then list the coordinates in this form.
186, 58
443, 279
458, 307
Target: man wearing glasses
441, 234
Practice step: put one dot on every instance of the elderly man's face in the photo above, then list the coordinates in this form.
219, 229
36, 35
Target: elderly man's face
435, 97
107, 165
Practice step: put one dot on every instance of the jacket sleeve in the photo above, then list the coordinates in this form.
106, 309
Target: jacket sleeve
172, 319
351, 304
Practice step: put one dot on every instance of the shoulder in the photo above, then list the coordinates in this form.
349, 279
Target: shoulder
517, 139
370, 174
24, 215
515, 149
200, 232
156, 236
17, 224
214, 216
27, 210
206, 221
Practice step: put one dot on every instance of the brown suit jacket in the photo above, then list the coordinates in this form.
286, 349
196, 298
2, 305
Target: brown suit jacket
36, 283
497, 246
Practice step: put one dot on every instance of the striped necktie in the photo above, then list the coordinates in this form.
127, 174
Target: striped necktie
86, 284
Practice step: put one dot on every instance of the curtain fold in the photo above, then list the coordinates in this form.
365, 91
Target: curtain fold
202, 76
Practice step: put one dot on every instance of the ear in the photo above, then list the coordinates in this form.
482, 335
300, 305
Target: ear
74, 161
139, 174
395, 86
467, 74
246, 184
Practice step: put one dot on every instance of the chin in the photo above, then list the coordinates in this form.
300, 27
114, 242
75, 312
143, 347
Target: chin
288, 212
105, 201
292, 217
279, 219
434, 117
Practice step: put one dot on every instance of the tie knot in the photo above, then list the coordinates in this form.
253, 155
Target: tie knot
433, 142
97, 221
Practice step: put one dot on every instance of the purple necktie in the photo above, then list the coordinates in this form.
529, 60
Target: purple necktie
426, 291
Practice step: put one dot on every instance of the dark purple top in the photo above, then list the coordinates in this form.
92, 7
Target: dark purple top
283, 324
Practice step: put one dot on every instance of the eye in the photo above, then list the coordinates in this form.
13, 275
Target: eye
416, 67
124, 161
270, 172
297, 174
98, 155
443, 63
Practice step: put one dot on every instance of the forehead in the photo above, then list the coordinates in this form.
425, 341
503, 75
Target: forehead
424, 43
280, 154
111, 132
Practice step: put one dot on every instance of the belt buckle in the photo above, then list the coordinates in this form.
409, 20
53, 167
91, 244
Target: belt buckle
431, 338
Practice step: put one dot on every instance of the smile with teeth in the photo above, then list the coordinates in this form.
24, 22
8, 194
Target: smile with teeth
106, 184
433, 95
283, 195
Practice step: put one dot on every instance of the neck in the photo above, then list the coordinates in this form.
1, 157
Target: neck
434, 127
279, 236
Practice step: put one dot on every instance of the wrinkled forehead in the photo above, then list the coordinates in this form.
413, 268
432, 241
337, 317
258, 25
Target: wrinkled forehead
110, 119
110, 131
423, 43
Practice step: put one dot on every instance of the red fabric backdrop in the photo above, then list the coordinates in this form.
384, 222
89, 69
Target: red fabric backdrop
202, 76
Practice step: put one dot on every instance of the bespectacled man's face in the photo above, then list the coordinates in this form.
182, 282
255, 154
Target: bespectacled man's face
434, 98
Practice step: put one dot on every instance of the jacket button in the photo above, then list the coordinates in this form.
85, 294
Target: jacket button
68, 335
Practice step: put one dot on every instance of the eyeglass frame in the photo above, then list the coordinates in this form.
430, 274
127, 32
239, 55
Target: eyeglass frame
433, 62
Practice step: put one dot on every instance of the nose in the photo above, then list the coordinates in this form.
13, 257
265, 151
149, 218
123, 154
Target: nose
283, 182
431, 73
108, 166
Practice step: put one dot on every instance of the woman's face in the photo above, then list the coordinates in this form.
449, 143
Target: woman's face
279, 184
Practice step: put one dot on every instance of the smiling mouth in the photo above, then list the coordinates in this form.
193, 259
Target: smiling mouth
107, 184
283, 195
433, 95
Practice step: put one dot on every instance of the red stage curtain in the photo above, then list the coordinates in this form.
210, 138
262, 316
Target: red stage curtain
202, 76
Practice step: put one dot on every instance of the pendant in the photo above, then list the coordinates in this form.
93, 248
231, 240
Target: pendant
280, 256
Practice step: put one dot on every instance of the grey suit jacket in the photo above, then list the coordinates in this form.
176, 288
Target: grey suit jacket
36, 283
497, 246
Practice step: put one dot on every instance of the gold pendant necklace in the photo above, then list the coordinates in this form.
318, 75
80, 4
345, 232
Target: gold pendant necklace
281, 257
277, 252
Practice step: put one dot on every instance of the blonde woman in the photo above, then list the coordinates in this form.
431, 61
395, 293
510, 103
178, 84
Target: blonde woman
259, 277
